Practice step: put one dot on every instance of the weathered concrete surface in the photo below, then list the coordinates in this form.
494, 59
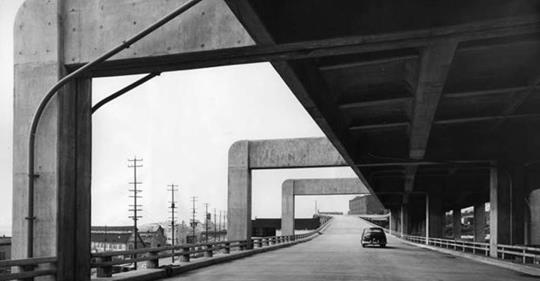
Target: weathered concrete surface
269, 154
338, 255
294, 153
93, 27
37, 59
239, 193
287, 208
534, 204
50, 35
292, 187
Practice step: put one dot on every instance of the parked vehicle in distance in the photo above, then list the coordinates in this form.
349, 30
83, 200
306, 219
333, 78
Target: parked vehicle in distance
373, 236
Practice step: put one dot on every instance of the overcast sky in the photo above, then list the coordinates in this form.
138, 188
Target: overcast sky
181, 124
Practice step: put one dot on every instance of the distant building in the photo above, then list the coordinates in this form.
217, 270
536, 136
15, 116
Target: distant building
153, 235
5, 248
113, 238
365, 205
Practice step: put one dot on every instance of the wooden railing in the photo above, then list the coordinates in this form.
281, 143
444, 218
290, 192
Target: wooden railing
27, 269
105, 261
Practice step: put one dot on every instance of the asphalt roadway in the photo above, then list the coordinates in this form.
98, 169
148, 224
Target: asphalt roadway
338, 255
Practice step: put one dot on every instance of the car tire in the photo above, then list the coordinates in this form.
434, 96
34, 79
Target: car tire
363, 245
382, 245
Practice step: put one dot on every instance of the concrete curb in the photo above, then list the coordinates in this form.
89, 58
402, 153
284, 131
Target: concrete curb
529, 270
171, 271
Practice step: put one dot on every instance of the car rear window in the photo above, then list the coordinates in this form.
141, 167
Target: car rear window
375, 230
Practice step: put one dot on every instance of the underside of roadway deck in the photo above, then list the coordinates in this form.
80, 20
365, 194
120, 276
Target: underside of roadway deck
338, 255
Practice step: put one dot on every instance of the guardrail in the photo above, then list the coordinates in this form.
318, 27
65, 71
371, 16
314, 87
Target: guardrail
27, 269
105, 261
522, 254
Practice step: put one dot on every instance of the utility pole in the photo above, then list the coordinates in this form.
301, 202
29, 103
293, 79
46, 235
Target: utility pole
219, 226
135, 207
193, 222
215, 225
206, 221
172, 207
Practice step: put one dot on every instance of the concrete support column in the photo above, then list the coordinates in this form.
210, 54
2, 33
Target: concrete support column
62, 150
456, 225
518, 211
239, 192
287, 208
404, 219
436, 215
534, 205
74, 176
427, 219
499, 216
479, 222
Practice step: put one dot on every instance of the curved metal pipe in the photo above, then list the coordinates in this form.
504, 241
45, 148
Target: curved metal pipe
52, 92
124, 90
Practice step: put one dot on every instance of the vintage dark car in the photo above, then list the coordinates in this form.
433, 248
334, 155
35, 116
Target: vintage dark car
373, 236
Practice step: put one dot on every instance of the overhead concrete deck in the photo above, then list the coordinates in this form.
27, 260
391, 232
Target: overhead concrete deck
338, 255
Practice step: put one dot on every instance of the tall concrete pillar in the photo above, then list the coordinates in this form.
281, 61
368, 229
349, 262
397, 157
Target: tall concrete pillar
436, 215
404, 219
456, 225
499, 215
518, 211
287, 208
479, 222
239, 192
62, 150
534, 204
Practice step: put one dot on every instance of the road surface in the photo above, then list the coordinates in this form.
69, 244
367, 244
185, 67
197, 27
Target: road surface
338, 255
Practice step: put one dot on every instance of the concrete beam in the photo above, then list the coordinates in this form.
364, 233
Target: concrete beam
434, 65
167, 60
293, 187
293, 153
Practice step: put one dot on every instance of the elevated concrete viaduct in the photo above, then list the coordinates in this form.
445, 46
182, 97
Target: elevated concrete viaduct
245, 156
437, 101
302, 187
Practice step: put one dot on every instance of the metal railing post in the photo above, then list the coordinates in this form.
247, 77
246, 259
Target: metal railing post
153, 263
227, 248
209, 251
104, 271
185, 254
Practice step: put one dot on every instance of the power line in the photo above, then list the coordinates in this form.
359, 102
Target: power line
172, 207
135, 207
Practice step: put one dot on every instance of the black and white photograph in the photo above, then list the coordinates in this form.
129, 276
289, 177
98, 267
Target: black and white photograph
270, 140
